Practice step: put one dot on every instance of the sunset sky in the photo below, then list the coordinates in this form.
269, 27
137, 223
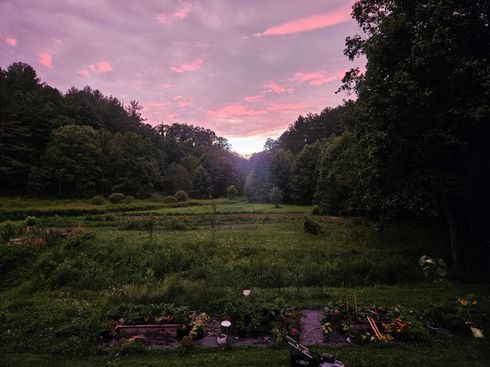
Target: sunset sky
244, 68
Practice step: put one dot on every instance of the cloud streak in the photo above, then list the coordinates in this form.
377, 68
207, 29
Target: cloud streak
308, 23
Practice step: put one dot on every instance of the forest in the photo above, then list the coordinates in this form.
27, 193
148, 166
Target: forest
383, 199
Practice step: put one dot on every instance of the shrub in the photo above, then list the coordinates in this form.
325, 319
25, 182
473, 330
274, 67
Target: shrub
181, 195
275, 196
311, 226
128, 199
155, 197
231, 192
169, 199
316, 210
116, 198
98, 200
30, 221
8, 230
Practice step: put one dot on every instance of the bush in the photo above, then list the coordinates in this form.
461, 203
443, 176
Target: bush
98, 200
30, 221
155, 197
116, 198
231, 192
181, 195
311, 226
8, 230
169, 199
128, 199
275, 196
316, 210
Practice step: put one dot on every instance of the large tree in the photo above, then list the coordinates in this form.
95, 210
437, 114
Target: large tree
422, 115
72, 163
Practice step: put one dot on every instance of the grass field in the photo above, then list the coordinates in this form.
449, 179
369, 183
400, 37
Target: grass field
56, 299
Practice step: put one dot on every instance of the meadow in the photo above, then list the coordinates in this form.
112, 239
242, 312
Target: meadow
58, 295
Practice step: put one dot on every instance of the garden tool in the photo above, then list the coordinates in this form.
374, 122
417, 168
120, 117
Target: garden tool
302, 356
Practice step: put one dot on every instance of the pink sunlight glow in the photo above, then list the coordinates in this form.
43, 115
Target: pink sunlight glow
101, 67
191, 66
318, 77
309, 23
45, 59
10, 41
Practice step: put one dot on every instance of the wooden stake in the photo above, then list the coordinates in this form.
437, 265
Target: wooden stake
355, 304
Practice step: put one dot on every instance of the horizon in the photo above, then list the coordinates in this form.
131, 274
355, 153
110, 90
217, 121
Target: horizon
244, 70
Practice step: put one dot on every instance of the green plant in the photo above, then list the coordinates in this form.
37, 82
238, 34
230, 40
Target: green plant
434, 269
311, 226
8, 230
97, 200
155, 197
116, 198
169, 199
275, 196
181, 195
316, 210
30, 221
231, 192
128, 199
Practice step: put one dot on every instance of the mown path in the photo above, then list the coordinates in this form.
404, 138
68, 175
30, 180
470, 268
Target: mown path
311, 327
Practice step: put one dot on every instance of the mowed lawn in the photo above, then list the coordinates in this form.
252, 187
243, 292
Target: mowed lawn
53, 300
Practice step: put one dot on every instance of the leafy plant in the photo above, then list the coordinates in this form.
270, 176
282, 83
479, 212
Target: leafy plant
116, 198
97, 200
181, 195
311, 226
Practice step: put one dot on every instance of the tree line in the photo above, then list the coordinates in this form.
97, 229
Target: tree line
83, 143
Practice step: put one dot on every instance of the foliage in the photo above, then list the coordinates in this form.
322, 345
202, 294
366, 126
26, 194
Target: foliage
420, 120
169, 199
116, 197
201, 183
97, 200
181, 195
231, 192
434, 269
9, 230
30, 221
305, 173
311, 226
276, 196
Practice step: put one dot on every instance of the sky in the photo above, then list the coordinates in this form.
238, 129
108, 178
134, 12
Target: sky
243, 68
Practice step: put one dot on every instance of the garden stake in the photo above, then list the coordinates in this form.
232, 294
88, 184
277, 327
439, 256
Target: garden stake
297, 279
355, 304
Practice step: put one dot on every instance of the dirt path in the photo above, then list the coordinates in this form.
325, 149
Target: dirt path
311, 331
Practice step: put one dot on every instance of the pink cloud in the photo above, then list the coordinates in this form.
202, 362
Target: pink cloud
101, 67
234, 110
317, 77
268, 88
277, 88
181, 101
10, 41
82, 72
45, 59
309, 23
287, 106
182, 13
191, 66
252, 99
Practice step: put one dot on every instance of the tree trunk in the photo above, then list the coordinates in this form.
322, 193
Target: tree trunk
453, 234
